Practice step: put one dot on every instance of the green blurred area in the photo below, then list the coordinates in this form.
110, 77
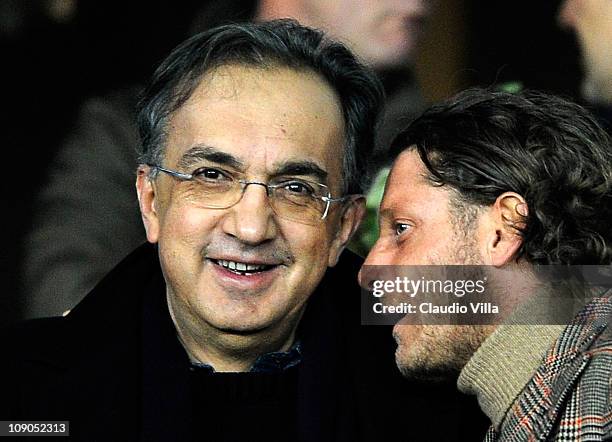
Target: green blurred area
367, 234
512, 87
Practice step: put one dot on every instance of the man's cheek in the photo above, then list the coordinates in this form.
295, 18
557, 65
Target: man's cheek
184, 221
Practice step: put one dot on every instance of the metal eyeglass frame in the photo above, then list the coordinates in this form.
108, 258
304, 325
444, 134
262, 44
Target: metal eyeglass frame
189, 177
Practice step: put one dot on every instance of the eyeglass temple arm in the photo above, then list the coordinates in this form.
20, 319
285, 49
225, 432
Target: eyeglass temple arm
174, 173
328, 200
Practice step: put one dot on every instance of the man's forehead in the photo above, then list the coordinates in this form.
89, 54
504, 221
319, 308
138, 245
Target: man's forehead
241, 83
408, 185
408, 171
260, 88
274, 118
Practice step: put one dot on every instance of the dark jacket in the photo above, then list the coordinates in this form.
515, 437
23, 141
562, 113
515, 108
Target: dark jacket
114, 368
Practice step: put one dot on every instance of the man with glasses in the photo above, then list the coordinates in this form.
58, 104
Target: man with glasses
74, 240
240, 320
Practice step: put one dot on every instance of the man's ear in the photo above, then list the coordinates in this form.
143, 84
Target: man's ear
350, 218
147, 198
507, 219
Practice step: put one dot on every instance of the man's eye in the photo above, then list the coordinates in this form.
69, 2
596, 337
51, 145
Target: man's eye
298, 188
210, 174
401, 228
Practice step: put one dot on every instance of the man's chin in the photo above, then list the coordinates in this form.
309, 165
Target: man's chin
416, 363
242, 327
419, 355
426, 372
436, 353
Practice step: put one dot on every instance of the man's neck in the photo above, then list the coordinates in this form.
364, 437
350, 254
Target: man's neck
236, 357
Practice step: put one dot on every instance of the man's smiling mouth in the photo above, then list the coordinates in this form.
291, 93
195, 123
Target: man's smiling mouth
242, 268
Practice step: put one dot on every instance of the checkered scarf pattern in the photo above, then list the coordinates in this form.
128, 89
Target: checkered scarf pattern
569, 398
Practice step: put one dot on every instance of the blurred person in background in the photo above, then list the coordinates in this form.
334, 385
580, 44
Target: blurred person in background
591, 21
86, 217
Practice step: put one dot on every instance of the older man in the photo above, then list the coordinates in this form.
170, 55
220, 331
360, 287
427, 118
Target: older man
513, 182
86, 218
230, 325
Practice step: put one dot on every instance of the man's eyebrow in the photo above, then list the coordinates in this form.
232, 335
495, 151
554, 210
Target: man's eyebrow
302, 168
201, 152
385, 214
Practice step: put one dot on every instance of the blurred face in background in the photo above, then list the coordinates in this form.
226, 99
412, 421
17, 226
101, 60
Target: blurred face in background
383, 33
591, 20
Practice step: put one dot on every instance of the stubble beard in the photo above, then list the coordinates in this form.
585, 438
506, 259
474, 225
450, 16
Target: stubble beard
439, 352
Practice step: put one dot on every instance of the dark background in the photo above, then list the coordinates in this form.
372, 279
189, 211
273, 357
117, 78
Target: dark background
52, 61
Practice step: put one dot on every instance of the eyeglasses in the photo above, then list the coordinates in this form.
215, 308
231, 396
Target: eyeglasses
294, 199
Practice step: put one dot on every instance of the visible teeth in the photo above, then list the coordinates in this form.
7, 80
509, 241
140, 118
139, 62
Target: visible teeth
250, 267
241, 266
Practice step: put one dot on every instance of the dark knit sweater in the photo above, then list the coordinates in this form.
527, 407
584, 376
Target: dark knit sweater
244, 406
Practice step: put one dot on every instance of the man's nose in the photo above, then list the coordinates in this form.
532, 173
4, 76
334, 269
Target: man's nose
377, 253
251, 220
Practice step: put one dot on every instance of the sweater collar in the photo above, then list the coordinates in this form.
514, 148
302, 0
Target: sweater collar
504, 364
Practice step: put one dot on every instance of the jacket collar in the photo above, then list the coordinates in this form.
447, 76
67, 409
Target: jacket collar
543, 397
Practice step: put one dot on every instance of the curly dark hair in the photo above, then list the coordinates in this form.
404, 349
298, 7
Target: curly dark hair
551, 151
